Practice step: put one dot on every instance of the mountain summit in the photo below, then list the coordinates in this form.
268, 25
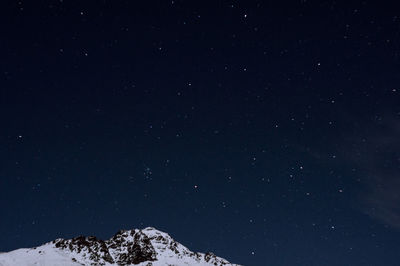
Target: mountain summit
146, 247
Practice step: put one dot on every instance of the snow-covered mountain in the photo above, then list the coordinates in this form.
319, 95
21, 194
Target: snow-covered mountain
147, 247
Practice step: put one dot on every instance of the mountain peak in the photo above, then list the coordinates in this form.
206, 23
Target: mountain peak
148, 246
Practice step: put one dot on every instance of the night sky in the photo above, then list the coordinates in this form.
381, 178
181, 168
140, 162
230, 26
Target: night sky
266, 133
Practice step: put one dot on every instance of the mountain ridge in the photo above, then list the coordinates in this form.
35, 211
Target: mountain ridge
148, 246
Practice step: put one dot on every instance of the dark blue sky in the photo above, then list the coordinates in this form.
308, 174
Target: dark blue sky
266, 133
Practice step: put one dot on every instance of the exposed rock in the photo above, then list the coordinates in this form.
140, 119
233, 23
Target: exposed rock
146, 247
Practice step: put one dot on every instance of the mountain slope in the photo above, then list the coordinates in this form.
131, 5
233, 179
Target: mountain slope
148, 247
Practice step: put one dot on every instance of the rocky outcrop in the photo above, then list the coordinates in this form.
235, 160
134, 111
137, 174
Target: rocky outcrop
147, 247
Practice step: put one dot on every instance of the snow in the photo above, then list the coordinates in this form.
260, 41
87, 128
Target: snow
46, 255
167, 252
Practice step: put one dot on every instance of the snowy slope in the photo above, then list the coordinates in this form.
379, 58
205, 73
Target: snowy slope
132, 247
